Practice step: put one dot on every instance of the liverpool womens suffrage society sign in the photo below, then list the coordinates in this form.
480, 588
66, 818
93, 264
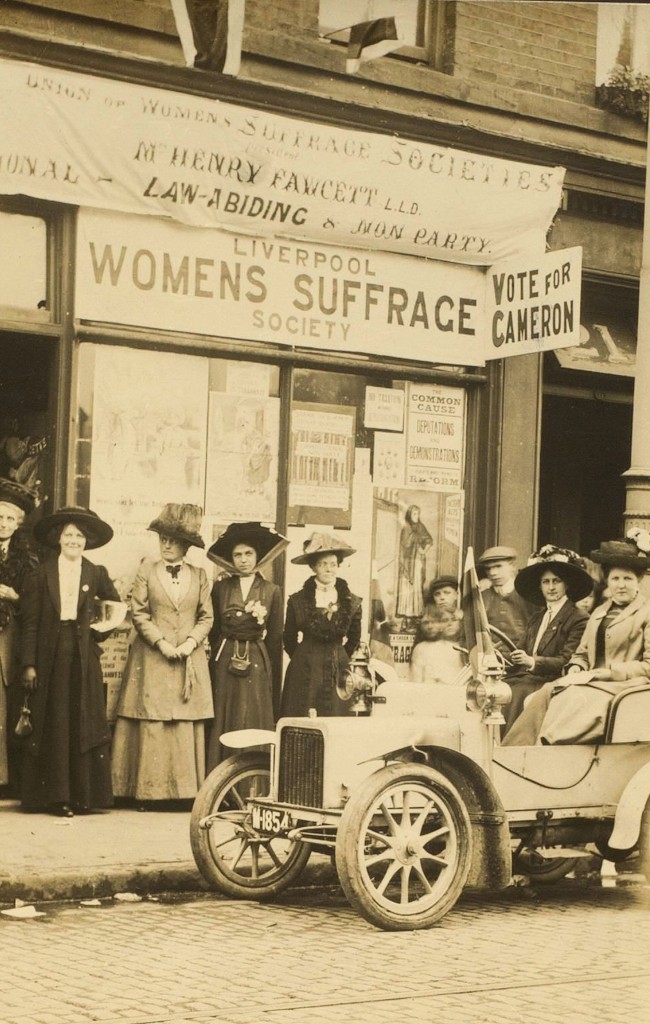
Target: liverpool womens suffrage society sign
149, 272
94, 142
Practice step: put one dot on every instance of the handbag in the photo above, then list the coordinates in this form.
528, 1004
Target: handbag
24, 723
240, 663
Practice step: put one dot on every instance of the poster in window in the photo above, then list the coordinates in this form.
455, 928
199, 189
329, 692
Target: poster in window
321, 464
149, 422
435, 437
242, 467
413, 543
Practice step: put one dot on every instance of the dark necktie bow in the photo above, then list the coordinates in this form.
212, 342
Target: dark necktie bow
174, 570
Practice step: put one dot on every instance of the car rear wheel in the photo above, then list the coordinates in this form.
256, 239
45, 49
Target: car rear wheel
232, 856
544, 870
404, 847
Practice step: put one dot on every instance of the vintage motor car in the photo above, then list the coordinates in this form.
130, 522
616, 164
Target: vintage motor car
416, 799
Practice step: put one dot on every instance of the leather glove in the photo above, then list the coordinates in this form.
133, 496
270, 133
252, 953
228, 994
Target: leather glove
185, 649
29, 679
167, 650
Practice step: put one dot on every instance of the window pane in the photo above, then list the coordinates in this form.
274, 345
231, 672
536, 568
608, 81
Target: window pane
23, 282
335, 16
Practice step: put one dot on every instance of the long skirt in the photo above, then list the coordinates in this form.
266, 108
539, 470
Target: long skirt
158, 760
62, 773
240, 702
7, 723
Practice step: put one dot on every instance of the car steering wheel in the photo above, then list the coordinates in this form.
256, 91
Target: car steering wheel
503, 644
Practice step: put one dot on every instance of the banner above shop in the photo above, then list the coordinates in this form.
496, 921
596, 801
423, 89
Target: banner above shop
89, 141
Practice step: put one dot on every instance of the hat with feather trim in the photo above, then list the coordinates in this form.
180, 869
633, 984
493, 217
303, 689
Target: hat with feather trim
567, 564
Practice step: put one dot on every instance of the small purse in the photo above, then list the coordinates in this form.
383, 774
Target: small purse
24, 723
240, 663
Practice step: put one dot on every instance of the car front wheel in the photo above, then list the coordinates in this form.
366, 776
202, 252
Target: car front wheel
404, 847
231, 854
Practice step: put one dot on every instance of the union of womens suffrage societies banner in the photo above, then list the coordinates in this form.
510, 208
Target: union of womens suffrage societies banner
90, 141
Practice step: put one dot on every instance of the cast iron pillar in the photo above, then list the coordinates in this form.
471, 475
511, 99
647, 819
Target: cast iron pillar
637, 477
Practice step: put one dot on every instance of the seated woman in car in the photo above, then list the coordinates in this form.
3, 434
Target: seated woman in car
613, 655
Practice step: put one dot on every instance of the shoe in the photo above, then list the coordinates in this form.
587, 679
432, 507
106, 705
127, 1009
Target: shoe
62, 811
82, 809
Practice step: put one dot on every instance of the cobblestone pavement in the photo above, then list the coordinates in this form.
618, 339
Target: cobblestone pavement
569, 953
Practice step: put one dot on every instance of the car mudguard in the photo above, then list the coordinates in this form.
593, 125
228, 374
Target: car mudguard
627, 821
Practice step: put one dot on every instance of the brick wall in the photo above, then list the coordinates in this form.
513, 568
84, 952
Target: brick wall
544, 48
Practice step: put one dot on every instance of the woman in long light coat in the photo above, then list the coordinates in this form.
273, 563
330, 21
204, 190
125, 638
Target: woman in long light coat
613, 655
165, 698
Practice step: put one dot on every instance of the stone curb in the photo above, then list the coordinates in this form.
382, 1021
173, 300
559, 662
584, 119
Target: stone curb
88, 883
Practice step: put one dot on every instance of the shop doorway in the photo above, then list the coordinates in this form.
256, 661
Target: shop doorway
26, 409
586, 442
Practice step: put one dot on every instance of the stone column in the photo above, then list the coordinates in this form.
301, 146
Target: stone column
637, 477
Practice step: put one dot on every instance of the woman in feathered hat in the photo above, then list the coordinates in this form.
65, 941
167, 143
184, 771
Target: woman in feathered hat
246, 639
326, 616
613, 654
16, 560
165, 698
554, 579
66, 764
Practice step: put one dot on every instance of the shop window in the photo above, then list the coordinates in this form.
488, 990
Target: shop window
23, 283
423, 26
158, 427
364, 455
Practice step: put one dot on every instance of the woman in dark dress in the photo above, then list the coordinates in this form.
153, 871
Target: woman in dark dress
16, 561
66, 767
246, 638
322, 630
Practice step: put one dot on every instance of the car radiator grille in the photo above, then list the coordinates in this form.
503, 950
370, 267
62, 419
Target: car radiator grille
301, 767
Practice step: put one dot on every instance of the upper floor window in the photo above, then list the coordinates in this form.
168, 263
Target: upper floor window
623, 39
422, 25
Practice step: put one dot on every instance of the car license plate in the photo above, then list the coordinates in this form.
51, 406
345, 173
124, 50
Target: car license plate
264, 819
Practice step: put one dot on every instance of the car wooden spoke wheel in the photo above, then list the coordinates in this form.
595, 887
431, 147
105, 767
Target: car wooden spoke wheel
404, 847
234, 854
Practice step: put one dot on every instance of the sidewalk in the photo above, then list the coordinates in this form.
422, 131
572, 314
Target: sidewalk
121, 850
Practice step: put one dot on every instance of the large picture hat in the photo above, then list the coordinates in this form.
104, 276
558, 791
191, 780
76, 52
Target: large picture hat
321, 544
13, 493
631, 553
266, 542
95, 530
566, 563
182, 522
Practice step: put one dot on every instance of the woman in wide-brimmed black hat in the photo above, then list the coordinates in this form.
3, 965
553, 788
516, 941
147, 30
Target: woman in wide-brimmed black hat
322, 630
554, 579
66, 767
165, 698
613, 654
16, 561
246, 638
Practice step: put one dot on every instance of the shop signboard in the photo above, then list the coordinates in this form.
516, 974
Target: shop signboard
533, 306
153, 273
121, 146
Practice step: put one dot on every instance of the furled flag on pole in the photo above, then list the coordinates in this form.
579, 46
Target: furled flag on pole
370, 39
478, 639
210, 32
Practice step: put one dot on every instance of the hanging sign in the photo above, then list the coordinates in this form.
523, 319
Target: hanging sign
90, 141
533, 306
